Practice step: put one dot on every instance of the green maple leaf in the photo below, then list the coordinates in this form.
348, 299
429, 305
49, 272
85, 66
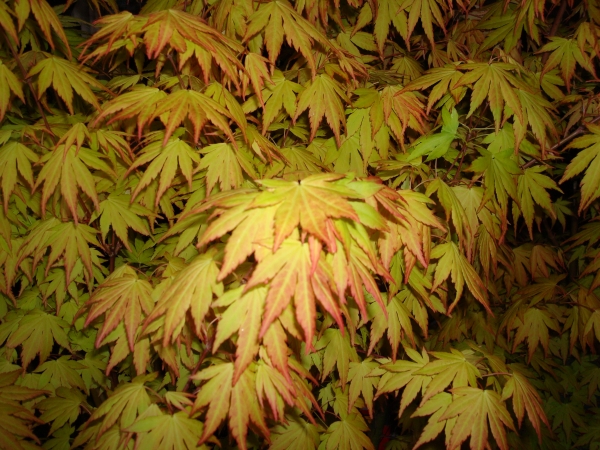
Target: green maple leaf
389, 11
323, 97
65, 77
290, 273
139, 103
165, 160
566, 53
277, 20
525, 398
474, 409
499, 171
8, 83
122, 297
195, 107
404, 374
589, 161
497, 83
62, 408
362, 383
445, 79
224, 165
166, 431
68, 240
534, 327
450, 367
280, 94
348, 434
532, 187
453, 262
243, 316
397, 323
297, 434
438, 144
37, 333
338, 352
428, 12
70, 167
61, 372
15, 419
308, 203
197, 281
15, 159
119, 213
238, 401
124, 404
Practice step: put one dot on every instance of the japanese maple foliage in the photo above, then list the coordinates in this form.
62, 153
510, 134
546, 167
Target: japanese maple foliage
309, 224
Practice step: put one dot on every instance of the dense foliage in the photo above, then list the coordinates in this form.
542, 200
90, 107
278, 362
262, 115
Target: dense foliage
320, 224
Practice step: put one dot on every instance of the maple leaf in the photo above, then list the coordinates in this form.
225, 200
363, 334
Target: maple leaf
589, 161
277, 20
428, 12
8, 83
404, 374
451, 367
389, 11
243, 316
525, 399
119, 213
290, 273
61, 372
195, 107
534, 326
6, 21
445, 79
197, 281
224, 164
164, 159
257, 74
397, 323
348, 434
121, 298
323, 97
474, 408
297, 434
437, 145
70, 167
15, 419
126, 403
395, 107
453, 262
499, 171
565, 52
338, 352
47, 20
166, 431
362, 383
532, 186
308, 203
141, 102
15, 159
37, 333
496, 82
450, 201
222, 398
65, 77
68, 240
